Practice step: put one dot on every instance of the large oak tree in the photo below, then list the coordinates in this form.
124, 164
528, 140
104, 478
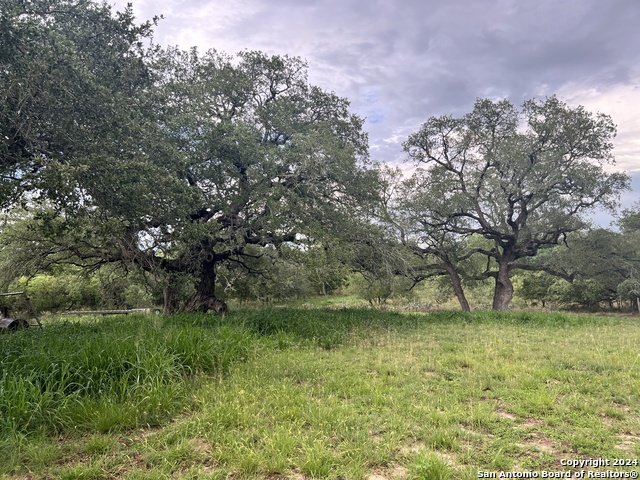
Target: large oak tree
178, 165
264, 158
520, 179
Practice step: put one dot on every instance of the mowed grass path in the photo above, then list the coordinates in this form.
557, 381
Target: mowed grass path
374, 395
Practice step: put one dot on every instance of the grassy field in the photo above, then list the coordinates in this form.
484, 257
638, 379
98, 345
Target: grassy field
312, 393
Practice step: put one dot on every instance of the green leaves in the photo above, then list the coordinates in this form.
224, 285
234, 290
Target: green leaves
71, 73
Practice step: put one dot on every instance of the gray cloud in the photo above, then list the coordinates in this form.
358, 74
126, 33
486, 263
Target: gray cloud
401, 62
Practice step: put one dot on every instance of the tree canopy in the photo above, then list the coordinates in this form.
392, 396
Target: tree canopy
70, 74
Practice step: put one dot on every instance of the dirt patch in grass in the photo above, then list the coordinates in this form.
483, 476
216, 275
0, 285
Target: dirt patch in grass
139, 435
201, 446
532, 423
376, 436
395, 472
627, 443
414, 448
503, 412
472, 435
419, 447
297, 475
541, 442
136, 463
506, 415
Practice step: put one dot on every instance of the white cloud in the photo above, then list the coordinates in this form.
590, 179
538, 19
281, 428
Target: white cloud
622, 103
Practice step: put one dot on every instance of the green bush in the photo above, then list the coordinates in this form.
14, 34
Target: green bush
70, 289
378, 290
52, 293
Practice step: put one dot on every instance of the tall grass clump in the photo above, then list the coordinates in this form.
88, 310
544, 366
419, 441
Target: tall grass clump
109, 373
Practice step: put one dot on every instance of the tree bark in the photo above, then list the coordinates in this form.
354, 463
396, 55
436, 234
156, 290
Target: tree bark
204, 298
170, 301
503, 292
456, 282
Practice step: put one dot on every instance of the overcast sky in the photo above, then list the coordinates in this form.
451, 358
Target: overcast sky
400, 62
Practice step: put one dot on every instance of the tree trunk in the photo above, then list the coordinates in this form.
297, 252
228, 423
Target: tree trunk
503, 292
204, 298
456, 282
170, 301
